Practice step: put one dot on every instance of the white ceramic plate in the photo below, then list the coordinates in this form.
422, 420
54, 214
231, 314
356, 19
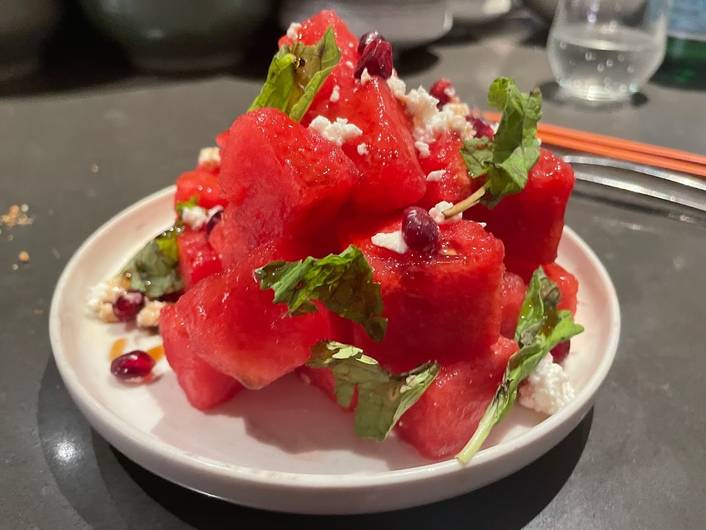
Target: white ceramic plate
288, 447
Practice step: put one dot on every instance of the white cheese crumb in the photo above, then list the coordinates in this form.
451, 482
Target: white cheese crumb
337, 132
547, 389
421, 106
335, 94
429, 122
194, 216
148, 317
423, 148
437, 213
397, 86
436, 176
105, 292
393, 241
362, 149
365, 77
106, 313
293, 31
349, 64
209, 155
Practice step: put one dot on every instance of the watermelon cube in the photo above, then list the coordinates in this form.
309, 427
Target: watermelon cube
530, 223
201, 184
313, 28
391, 177
197, 259
447, 414
235, 328
512, 294
445, 306
454, 184
204, 387
567, 283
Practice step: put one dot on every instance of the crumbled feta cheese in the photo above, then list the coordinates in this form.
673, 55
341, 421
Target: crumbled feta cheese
148, 317
106, 313
365, 77
337, 132
194, 216
421, 106
293, 31
105, 292
349, 64
362, 149
429, 122
423, 148
335, 94
436, 176
547, 389
209, 155
393, 241
397, 86
437, 213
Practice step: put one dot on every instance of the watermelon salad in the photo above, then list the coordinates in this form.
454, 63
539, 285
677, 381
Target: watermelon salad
387, 245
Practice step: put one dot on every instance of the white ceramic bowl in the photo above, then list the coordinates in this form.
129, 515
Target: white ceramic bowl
287, 447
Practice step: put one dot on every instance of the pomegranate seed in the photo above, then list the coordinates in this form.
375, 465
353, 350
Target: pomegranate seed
443, 90
419, 230
561, 350
483, 129
128, 305
367, 38
213, 221
132, 364
377, 58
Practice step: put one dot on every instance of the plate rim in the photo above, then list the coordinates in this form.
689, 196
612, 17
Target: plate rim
159, 450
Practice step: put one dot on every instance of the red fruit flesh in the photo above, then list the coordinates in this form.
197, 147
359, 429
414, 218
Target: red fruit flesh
530, 223
127, 305
512, 294
204, 387
376, 59
391, 177
197, 259
200, 184
444, 91
367, 38
567, 283
322, 378
419, 230
455, 185
482, 128
440, 423
561, 350
237, 329
285, 184
445, 306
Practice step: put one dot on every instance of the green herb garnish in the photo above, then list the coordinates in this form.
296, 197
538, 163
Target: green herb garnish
540, 327
342, 282
504, 161
296, 74
382, 397
154, 270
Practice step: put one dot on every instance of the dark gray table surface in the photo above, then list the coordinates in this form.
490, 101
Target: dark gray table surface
77, 157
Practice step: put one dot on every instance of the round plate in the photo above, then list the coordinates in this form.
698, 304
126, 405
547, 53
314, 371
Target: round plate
287, 447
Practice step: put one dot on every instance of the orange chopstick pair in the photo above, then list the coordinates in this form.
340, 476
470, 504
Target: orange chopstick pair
619, 148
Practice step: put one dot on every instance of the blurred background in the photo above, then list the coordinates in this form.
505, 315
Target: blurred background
50, 45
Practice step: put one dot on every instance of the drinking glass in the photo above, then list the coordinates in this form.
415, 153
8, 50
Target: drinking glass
605, 50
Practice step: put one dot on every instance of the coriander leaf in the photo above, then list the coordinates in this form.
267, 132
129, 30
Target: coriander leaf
296, 74
154, 270
342, 282
506, 160
541, 327
191, 203
382, 397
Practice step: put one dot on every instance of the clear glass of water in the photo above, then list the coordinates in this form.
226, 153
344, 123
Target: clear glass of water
605, 50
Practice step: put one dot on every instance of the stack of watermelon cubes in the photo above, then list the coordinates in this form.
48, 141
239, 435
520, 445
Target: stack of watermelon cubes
288, 192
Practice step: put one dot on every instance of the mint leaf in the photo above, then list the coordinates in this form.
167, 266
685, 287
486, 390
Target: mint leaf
154, 270
342, 282
296, 74
191, 203
504, 161
541, 327
382, 397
